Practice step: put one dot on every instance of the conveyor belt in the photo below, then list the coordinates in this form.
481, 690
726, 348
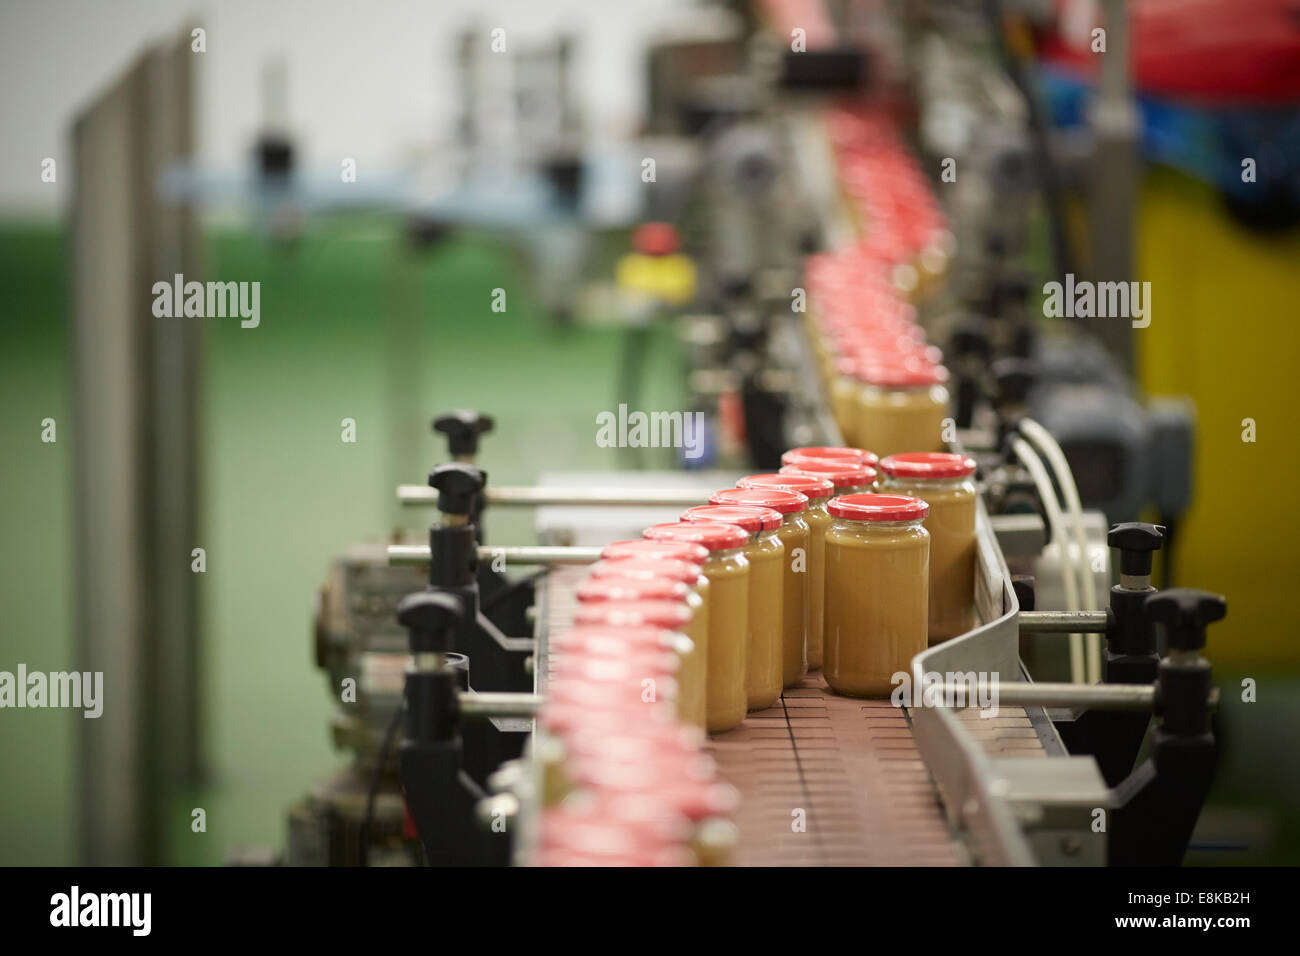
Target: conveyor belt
828, 780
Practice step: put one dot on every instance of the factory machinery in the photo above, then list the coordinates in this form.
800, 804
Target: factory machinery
800, 187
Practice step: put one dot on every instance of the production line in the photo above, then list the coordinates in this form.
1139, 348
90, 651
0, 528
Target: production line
829, 661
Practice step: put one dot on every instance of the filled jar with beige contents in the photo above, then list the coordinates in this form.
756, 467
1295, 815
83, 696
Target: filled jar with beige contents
765, 552
946, 483
793, 533
652, 602
727, 569
877, 569
843, 390
652, 567
818, 491
902, 407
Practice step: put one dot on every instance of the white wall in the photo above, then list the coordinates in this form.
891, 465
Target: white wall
370, 79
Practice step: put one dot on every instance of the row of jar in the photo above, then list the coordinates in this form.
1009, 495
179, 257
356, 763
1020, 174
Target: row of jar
625, 782
818, 566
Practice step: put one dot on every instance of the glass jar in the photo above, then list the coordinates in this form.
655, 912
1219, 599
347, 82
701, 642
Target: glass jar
877, 569
661, 603
818, 491
946, 483
792, 582
844, 399
902, 407
728, 642
652, 568
765, 553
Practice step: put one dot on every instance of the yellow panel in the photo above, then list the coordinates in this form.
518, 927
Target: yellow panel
1226, 330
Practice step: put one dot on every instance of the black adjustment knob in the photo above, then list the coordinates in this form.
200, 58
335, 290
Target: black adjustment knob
1185, 612
1137, 541
462, 428
431, 617
459, 485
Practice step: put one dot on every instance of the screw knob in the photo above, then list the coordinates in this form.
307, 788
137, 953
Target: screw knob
462, 428
429, 616
1185, 612
458, 484
1136, 541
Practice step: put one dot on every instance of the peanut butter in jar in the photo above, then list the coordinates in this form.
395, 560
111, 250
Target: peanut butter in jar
902, 406
634, 602
688, 572
946, 483
728, 572
877, 569
792, 580
766, 553
819, 491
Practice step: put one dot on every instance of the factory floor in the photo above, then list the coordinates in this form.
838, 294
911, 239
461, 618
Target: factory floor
354, 325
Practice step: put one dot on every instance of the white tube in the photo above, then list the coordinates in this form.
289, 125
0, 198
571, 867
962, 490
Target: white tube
1029, 458
1048, 445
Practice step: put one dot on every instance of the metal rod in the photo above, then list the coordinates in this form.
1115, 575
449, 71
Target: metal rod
1092, 696
499, 704
529, 496
1063, 622
409, 554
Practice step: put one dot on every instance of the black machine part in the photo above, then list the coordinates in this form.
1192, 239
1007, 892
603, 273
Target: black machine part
463, 428
441, 796
1159, 803
459, 486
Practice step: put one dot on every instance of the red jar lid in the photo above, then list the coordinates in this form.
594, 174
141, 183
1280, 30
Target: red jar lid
602, 684
695, 799
869, 458
832, 452
904, 374
640, 548
687, 572
928, 464
610, 588
711, 534
611, 641
782, 500
598, 837
809, 485
582, 715
878, 508
639, 745
597, 667
672, 615
750, 517
843, 474
645, 774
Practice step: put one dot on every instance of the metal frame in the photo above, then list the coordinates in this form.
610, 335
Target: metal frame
1011, 813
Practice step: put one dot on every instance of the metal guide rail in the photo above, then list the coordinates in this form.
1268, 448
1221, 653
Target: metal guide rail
827, 780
